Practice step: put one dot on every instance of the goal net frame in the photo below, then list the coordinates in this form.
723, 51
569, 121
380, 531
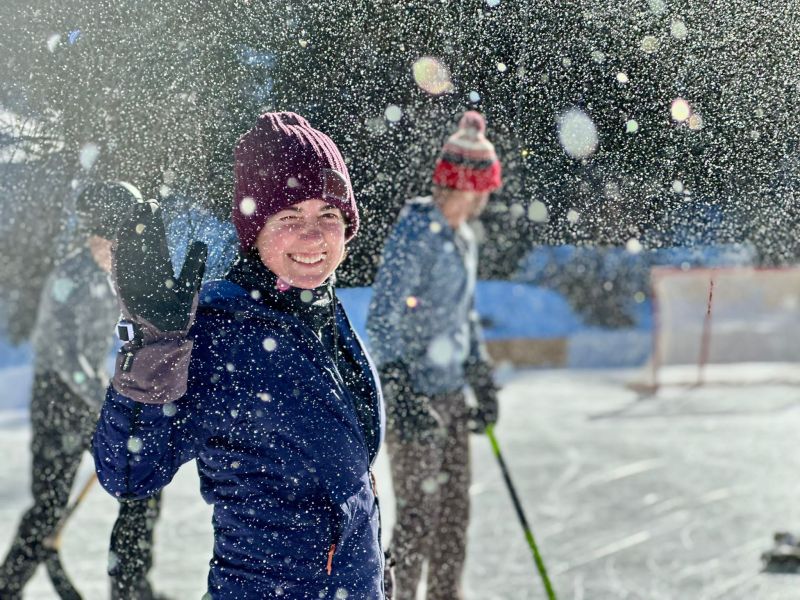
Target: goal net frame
747, 316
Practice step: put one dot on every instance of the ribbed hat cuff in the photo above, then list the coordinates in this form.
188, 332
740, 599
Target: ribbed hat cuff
460, 177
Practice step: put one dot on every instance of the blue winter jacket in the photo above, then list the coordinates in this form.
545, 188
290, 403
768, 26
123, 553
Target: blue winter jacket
279, 449
422, 309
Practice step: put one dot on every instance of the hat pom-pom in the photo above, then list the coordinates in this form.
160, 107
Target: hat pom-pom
472, 120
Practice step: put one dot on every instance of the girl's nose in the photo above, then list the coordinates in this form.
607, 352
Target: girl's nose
312, 229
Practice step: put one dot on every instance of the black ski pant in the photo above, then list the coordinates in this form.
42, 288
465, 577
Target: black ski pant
62, 426
431, 478
130, 554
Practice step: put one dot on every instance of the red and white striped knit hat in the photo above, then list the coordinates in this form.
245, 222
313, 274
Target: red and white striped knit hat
468, 160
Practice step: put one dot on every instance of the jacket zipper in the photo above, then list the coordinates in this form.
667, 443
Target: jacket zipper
331, 552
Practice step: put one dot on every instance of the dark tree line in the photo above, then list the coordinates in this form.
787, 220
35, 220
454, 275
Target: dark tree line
157, 92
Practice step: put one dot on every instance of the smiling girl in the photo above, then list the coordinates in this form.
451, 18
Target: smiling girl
259, 378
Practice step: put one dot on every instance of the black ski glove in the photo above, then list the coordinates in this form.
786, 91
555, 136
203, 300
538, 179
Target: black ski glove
158, 307
143, 273
479, 375
409, 413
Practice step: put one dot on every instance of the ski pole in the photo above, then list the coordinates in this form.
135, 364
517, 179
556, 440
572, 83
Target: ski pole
52, 543
59, 578
537, 558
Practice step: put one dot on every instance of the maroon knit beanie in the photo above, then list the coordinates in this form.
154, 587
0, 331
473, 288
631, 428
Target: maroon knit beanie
468, 160
280, 162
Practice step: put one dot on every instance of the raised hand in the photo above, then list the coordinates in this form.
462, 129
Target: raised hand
159, 308
149, 292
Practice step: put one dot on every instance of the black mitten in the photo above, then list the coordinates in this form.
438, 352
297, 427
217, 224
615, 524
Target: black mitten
409, 413
147, 287
479, 375
159, 308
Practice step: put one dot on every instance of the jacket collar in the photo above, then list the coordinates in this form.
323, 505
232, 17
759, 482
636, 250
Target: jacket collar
313, 307
234, 294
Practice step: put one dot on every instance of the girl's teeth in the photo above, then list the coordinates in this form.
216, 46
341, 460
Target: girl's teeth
309, 260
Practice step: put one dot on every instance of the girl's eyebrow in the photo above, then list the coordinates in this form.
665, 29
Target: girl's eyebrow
298, 210
294, 209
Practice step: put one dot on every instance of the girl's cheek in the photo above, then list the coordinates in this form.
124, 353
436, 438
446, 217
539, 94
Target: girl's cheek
334, 226
283, 232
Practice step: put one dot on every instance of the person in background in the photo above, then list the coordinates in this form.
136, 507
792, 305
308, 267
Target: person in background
72, 340
426, 340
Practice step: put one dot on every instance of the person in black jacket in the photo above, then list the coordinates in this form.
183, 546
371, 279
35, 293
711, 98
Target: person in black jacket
72, 339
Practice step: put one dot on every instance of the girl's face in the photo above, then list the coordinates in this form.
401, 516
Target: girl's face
304, 243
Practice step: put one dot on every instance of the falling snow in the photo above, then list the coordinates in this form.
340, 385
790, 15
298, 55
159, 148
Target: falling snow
628, 131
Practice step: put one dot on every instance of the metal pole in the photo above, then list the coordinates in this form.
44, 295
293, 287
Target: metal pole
52, 544
53, 541
705, 340
551, 595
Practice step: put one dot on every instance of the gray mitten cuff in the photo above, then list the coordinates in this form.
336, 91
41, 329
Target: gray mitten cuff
155, 373
155, 368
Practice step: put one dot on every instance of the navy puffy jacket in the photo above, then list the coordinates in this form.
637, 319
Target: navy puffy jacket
279, 450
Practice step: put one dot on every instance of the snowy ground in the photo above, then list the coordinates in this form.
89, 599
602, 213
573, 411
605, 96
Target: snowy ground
670, 497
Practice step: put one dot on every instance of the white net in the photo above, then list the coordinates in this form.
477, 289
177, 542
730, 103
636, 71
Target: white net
707, 320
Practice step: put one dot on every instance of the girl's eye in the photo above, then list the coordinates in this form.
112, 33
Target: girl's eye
289, 218
332, 216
